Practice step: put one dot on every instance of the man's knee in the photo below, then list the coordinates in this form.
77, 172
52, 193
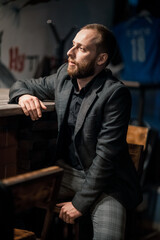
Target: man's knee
109, 219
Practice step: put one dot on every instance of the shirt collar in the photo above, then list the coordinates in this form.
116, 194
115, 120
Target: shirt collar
85, 89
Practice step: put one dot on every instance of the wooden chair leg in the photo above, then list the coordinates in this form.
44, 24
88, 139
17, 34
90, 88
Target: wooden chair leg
20, 234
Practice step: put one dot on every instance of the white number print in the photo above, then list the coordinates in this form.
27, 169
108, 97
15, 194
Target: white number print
138, 49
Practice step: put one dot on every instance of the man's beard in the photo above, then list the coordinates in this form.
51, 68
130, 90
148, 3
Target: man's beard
82, 70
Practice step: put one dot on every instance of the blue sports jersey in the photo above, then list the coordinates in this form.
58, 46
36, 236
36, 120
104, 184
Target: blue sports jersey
139, 44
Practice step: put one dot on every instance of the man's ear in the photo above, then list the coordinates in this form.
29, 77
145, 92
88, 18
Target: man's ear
102, 58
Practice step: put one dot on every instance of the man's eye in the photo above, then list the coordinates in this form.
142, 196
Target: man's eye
82, 49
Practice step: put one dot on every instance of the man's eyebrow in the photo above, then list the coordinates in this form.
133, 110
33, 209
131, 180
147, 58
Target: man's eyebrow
80, 44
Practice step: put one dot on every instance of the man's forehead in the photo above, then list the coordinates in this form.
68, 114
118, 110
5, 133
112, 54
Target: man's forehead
87, 36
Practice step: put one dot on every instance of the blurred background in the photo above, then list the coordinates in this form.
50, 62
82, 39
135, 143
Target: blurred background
36, 34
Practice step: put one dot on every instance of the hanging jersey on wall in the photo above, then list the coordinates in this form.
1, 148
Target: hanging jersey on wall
139, 43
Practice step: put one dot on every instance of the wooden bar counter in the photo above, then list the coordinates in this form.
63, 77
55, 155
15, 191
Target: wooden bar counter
14, 109
24, 144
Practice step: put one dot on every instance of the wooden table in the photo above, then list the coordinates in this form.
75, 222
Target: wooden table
14, 109
18, 134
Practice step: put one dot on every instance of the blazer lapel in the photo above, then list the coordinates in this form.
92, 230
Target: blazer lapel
63, 101
90, 97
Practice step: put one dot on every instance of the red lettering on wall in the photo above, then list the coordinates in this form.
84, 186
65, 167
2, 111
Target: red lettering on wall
16, 60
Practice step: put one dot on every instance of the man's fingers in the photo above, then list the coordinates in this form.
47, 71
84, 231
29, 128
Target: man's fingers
31, 106
42, 105
60, 204
30, 113
38, 111
32, 109
61, 214
68, 213
66, 217
27, 109
24, 108
69, 220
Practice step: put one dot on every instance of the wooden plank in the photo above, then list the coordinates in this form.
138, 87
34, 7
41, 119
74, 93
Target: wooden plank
33, 188
14, 109
137, 135
31, 175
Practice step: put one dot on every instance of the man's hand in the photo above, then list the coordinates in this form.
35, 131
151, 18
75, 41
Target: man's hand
68, 212
31, 106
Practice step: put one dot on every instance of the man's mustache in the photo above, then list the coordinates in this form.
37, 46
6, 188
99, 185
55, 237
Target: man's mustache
72, 61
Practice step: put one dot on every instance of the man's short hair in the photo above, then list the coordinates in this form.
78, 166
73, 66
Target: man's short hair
107, 43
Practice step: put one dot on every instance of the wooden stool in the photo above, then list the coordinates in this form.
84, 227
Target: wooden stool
20, 234
35, 189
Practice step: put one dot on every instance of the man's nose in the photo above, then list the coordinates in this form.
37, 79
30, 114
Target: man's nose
71, 51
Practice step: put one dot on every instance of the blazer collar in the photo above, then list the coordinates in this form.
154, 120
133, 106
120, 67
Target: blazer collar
91, 95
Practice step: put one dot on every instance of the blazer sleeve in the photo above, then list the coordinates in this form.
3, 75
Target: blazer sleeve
42, 88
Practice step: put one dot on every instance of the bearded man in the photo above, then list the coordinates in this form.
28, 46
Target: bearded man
93, 111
